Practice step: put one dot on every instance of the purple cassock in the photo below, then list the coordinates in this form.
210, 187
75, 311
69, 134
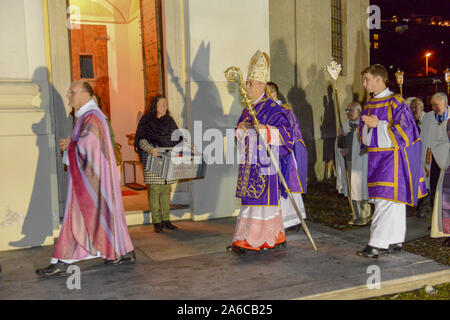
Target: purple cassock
395, 174
255, 187
294, 165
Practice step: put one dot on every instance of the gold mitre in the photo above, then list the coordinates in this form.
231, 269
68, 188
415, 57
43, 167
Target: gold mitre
258, 68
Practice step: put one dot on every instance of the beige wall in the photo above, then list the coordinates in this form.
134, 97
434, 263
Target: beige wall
202, 42
28, 185
300, 44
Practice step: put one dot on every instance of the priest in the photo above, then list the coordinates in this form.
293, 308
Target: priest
436, 136
94, 224
348, 149
395, 176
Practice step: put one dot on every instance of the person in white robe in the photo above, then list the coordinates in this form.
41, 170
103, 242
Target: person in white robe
440, 221
348, 149
431, 123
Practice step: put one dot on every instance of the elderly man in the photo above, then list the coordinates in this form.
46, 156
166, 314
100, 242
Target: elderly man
348, 149
395, 176
94, 222
440, 220
431, 124
260, 224
417, 111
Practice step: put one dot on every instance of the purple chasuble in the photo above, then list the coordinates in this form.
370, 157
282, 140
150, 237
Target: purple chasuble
395, 174
294, 165
254, 186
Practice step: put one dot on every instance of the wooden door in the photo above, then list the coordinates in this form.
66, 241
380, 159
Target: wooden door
90, 60
152, 48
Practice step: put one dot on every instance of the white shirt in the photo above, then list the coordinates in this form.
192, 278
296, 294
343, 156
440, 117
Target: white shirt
384, 140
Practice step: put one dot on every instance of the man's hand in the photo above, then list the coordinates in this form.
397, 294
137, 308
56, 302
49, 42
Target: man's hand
244, 125
344, 152
370, 121
340, 132
63, 143
260, 128
154, 152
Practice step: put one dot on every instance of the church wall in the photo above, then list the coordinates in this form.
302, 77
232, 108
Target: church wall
300, 39
202, 42
28, 187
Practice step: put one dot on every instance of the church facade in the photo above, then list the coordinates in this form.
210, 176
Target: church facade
132, 49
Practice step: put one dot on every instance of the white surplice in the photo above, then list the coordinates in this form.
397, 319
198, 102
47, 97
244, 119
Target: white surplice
441, 151
358, 172
429, 133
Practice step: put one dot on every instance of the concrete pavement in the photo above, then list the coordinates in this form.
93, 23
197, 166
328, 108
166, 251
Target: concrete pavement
192, 263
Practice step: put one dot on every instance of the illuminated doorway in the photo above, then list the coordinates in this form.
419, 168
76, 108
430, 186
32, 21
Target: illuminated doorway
118, 47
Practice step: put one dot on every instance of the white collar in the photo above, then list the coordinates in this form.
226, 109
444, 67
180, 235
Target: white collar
259, 99
383, 94
279, 102
88, 106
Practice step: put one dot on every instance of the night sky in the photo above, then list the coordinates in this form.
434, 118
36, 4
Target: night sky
390, 8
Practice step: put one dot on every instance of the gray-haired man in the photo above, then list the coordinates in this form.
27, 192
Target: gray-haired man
349, 148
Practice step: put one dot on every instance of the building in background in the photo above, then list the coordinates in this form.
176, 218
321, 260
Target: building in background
131, 49
409, 31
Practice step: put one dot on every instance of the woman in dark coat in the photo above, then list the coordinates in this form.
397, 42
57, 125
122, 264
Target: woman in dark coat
155, 130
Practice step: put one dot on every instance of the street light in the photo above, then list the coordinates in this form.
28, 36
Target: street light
447, 79
426, 62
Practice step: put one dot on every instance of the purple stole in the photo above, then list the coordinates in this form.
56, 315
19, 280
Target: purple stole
395, 174
254, 186
444, 220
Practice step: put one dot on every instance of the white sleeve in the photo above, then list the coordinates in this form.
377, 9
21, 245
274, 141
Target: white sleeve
65, 158
366, 135
240, 134
384, 141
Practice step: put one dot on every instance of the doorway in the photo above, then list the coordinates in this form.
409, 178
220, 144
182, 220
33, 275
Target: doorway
118, 47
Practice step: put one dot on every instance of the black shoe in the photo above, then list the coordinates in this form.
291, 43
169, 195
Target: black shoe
446, 242
283, 244
129, 258
168, 225
420, 215
52, 270
236, 250
158, 228
369, 252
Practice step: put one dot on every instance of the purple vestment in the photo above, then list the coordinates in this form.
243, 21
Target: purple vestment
395, 174
294, 165
254, 187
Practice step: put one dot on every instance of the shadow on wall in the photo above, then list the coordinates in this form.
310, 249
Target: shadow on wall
328, 133
38, 223
213, 194
297, 98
